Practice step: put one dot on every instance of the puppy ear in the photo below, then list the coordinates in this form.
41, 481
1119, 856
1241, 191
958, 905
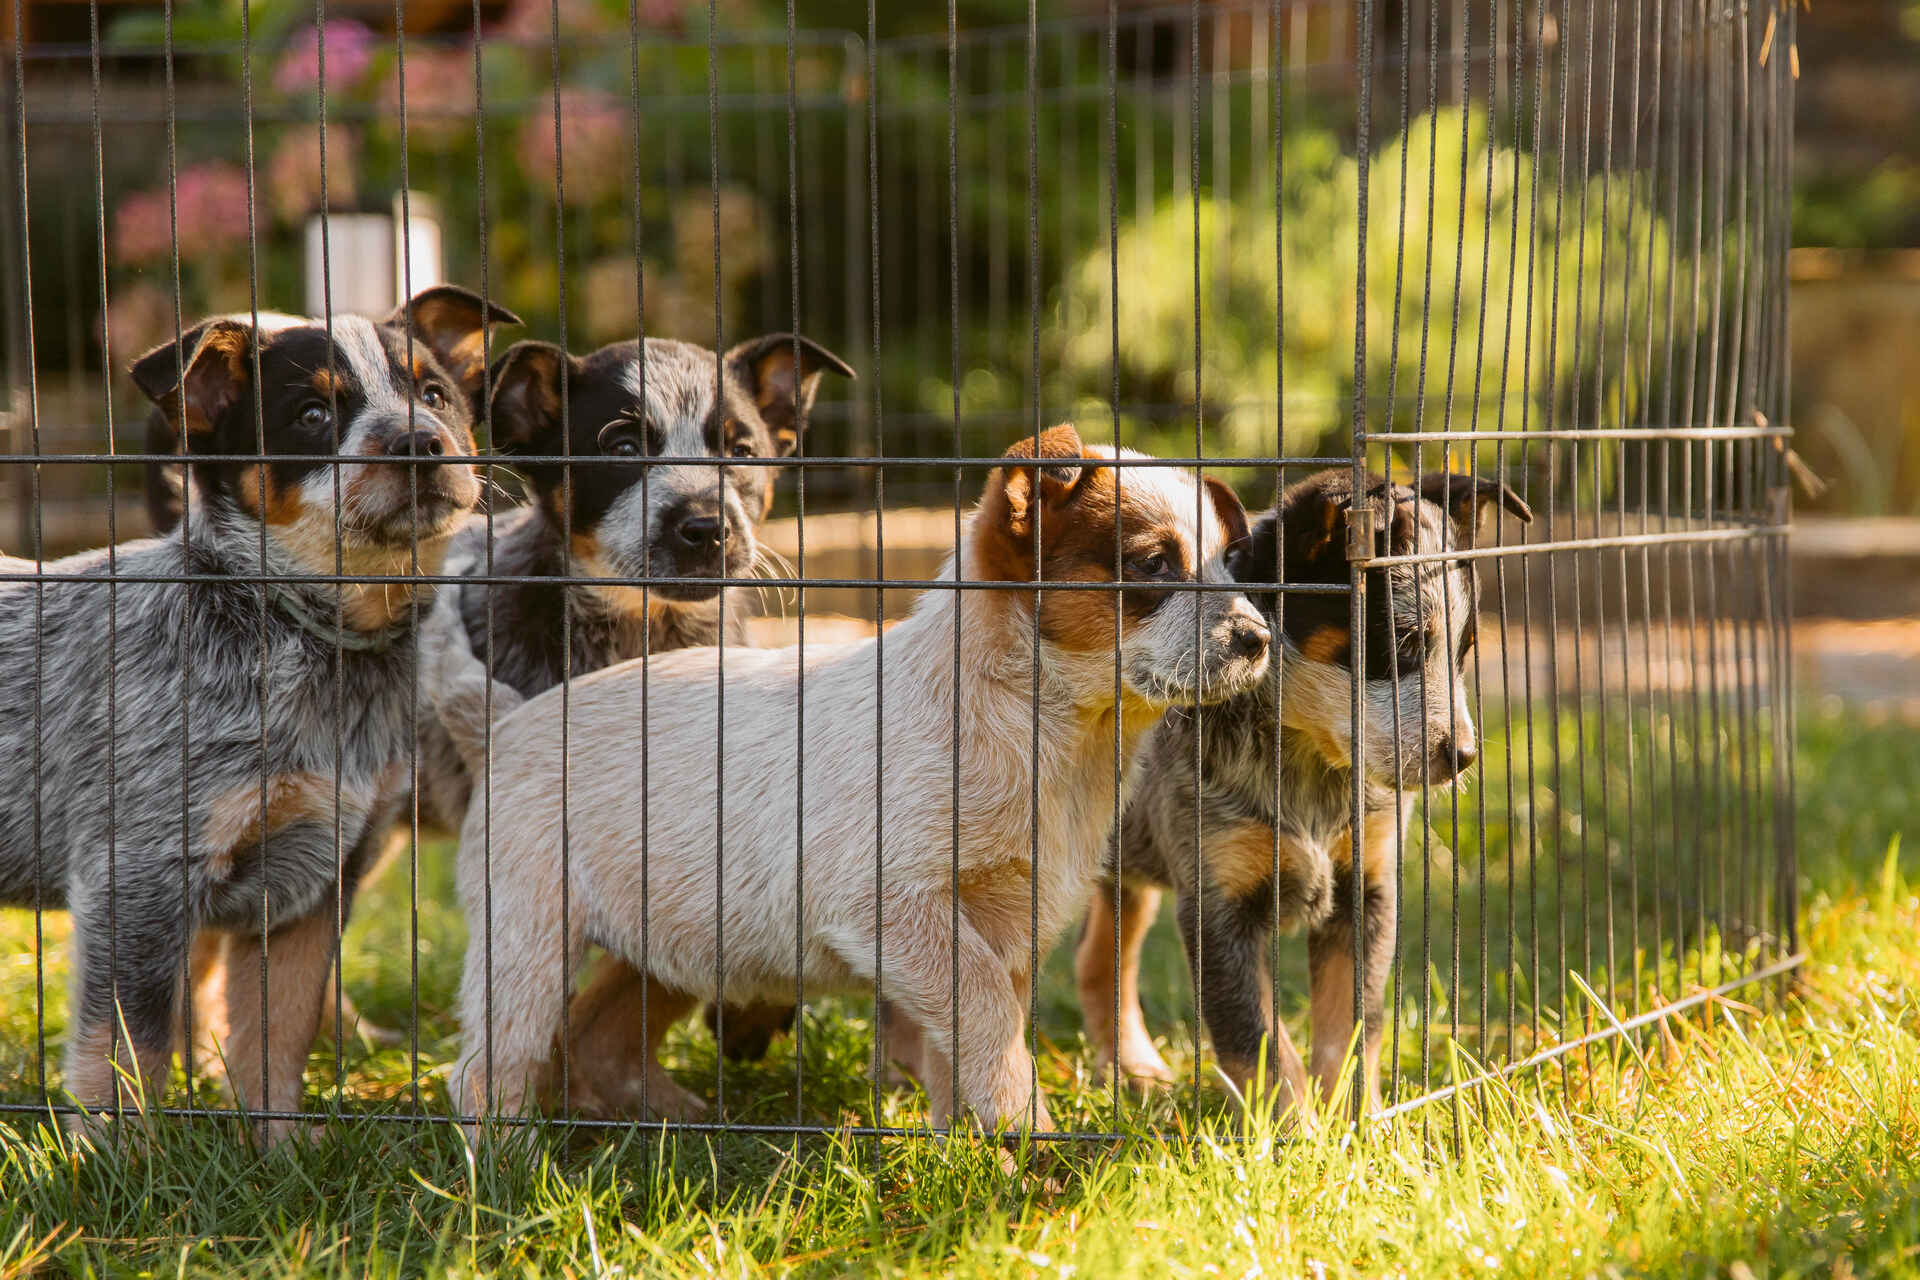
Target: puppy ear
198, 379
1054, 462
524, 414
782, 387
1313, 515
1226, 505
1255, 556
452, 322
1465, 497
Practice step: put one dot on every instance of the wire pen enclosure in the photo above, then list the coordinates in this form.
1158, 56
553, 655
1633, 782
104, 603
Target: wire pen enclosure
594, 613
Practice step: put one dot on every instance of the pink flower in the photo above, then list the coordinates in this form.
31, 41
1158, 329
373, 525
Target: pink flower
439, 94
213, 208
532, 20
142, 228
211, 202
596, 139
293, 174
349, 48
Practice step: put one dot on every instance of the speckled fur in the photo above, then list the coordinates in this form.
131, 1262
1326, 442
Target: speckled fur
266, 818
1273, 802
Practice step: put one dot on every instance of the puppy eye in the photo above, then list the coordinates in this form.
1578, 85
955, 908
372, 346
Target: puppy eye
316, 417
433, 396
742, 449
618, 439
1153, 566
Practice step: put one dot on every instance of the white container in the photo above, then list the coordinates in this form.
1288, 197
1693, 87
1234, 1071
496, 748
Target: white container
373, 261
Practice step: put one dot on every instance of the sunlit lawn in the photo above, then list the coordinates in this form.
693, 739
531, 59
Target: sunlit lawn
1784, 1134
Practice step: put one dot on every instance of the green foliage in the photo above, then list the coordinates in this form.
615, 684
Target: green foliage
1847, 211
1502, 229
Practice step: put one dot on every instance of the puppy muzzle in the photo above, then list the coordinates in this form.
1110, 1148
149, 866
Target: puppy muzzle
424, 479
1232, 656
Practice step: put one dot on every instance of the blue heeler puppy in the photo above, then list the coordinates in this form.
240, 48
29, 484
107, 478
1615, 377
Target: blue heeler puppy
219, 754
1272, 803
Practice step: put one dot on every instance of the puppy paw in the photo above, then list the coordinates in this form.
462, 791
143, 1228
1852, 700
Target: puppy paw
1141, 1065
668, 1101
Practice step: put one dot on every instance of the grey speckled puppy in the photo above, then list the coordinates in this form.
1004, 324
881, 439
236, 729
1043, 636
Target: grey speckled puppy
177, 757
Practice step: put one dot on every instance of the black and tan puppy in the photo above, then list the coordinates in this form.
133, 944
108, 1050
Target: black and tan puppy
1274, 808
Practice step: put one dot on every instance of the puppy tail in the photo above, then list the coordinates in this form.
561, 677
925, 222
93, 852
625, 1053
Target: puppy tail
457, 683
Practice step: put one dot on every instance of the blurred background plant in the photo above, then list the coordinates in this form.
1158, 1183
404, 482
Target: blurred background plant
1526, 325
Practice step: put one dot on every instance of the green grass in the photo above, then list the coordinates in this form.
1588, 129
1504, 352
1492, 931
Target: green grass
1783, 1135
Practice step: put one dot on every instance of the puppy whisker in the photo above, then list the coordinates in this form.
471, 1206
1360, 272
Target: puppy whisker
771, 564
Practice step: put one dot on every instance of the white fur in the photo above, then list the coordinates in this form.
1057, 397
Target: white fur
684, 842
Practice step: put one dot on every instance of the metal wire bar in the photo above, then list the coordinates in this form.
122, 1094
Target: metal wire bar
1357, 581
1655, 452
1617, 1027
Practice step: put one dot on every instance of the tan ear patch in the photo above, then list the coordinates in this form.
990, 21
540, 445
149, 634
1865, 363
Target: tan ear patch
1327, 644
214, 379
468, 358
773, 376
1329, 524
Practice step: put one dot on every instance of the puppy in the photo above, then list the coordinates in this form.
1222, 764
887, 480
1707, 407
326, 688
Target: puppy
167, 498
718, 831
621, 522
219, 789
1277, 846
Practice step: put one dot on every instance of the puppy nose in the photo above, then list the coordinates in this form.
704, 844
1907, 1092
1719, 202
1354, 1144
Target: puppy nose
416, 444
702, 531
1249, 639
1453, 757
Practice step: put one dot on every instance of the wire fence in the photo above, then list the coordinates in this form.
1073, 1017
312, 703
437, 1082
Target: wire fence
1486, 302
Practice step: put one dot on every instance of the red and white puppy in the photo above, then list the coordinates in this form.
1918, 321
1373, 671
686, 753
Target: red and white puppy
681, 856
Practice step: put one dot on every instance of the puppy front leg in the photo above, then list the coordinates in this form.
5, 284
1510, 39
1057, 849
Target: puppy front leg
1226, 945
1331, 953
1124, 1044
271, 1023
202, 1026
126, 981
513, 984
922, 956
936, 1072
613, 1068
